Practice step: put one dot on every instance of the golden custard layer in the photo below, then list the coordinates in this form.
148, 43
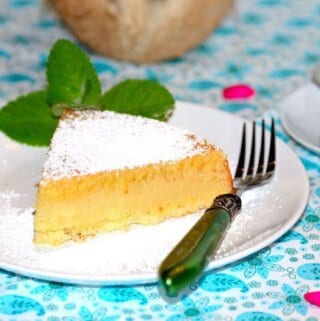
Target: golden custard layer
80, 195
82, 206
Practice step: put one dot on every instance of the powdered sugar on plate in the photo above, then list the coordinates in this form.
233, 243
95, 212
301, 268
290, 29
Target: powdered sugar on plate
139, 250
108, 256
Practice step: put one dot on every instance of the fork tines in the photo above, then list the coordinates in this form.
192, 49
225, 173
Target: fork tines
262, 172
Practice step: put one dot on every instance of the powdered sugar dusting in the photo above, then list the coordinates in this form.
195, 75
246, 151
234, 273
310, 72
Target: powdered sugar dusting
88, 142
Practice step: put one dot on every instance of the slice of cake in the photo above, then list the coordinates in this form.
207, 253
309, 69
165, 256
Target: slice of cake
106, 171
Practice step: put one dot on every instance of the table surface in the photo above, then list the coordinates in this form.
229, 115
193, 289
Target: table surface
270, 44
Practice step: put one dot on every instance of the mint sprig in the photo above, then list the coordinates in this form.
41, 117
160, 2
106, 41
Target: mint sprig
139, 97
28, 119
72, 79
73, 83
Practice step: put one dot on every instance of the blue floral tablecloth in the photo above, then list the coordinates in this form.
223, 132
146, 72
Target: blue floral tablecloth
270, 44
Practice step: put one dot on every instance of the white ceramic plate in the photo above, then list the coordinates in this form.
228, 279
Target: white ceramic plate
300, 116
132, 257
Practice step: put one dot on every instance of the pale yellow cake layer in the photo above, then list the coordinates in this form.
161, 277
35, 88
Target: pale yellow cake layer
81, 206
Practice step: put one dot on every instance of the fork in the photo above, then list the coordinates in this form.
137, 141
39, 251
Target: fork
191, 255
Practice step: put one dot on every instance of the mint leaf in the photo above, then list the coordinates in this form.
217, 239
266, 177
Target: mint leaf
72, 79
28, 119
139, 97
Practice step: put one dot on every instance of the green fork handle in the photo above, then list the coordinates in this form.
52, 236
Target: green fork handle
190, 256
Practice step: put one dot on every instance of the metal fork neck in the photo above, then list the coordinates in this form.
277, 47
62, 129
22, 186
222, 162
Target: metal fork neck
230, 202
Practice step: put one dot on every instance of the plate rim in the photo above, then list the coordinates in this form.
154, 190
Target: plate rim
151, 277
293, 134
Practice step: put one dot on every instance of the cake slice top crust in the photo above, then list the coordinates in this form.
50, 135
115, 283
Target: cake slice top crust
88, 142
